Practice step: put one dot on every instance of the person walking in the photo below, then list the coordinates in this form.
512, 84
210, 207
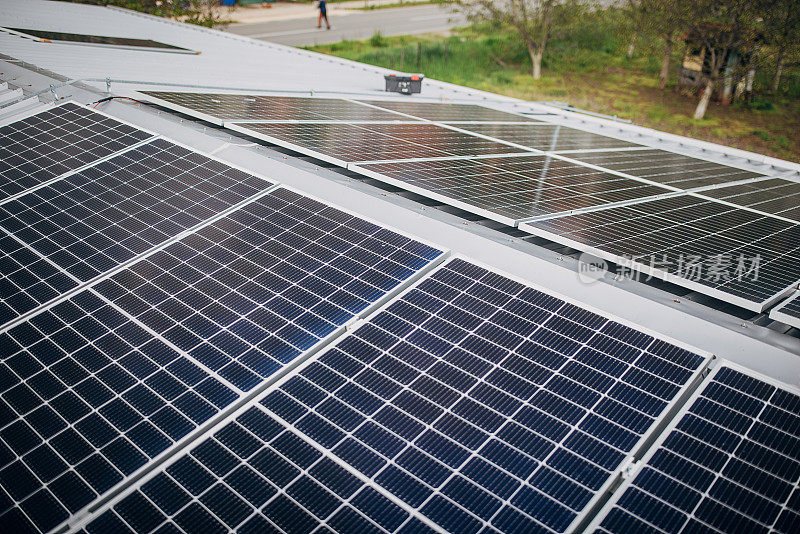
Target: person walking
323, 14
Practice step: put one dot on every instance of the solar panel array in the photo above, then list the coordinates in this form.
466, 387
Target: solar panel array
92, 221
737, 255
344, 143
774, 196
164, 291
730, 464
788, 312
232, 107
512, 189
64, 138
449, 112
668, 168
133, 338
47, 36
471, 402
547, 137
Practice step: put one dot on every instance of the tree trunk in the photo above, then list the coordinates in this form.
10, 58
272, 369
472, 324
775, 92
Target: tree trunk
663, 78
632, 46
776, 80
705, 98
536, 59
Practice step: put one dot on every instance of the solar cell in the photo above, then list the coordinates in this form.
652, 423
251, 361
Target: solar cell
41, 147
472, 399
238, 107
447, 112
510, 189
250, 292
730, 463
774, 196
87, 397
98, 218
729, 253
668, 168
547, 137
788, 312
344, 143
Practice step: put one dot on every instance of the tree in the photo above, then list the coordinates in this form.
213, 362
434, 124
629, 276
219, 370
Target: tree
668, 19
781, 33
720, 27
532, 20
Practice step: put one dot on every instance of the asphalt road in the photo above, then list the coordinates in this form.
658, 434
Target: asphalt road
352, 25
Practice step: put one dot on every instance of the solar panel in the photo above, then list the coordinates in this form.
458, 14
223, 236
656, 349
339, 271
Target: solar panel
447, 112
511, 189
344, 143
255, 475
668, 168
788, 312
247, 294
730, 463
88, 397
98, 218
120, 372
470, 401
774, 196
238, 107
729, 253
547, 137
38, 148
47, 35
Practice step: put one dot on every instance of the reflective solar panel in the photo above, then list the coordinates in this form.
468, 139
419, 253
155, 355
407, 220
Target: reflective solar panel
774, 196
48, 35
233, 107
98, 218
547, 137
96, 386
445, 112
788, 312
730, 463
512, 188
668, 168
38, 148
87, 397
729, 253
344, 143
250, 292
472, 401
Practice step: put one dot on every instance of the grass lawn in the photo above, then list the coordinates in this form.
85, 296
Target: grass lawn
585, 66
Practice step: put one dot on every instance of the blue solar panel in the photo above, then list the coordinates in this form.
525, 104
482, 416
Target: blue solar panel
98, 218
247, 294
256, 475
475, 401
41, 147
88, 396
730, 464
90, 391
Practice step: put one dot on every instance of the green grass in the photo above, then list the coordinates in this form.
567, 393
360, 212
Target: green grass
585, 65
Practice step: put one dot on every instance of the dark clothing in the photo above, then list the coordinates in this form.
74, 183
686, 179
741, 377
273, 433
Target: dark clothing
323, 8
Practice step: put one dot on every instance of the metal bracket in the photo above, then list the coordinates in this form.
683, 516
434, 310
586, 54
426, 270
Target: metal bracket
108, 85
53, 90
